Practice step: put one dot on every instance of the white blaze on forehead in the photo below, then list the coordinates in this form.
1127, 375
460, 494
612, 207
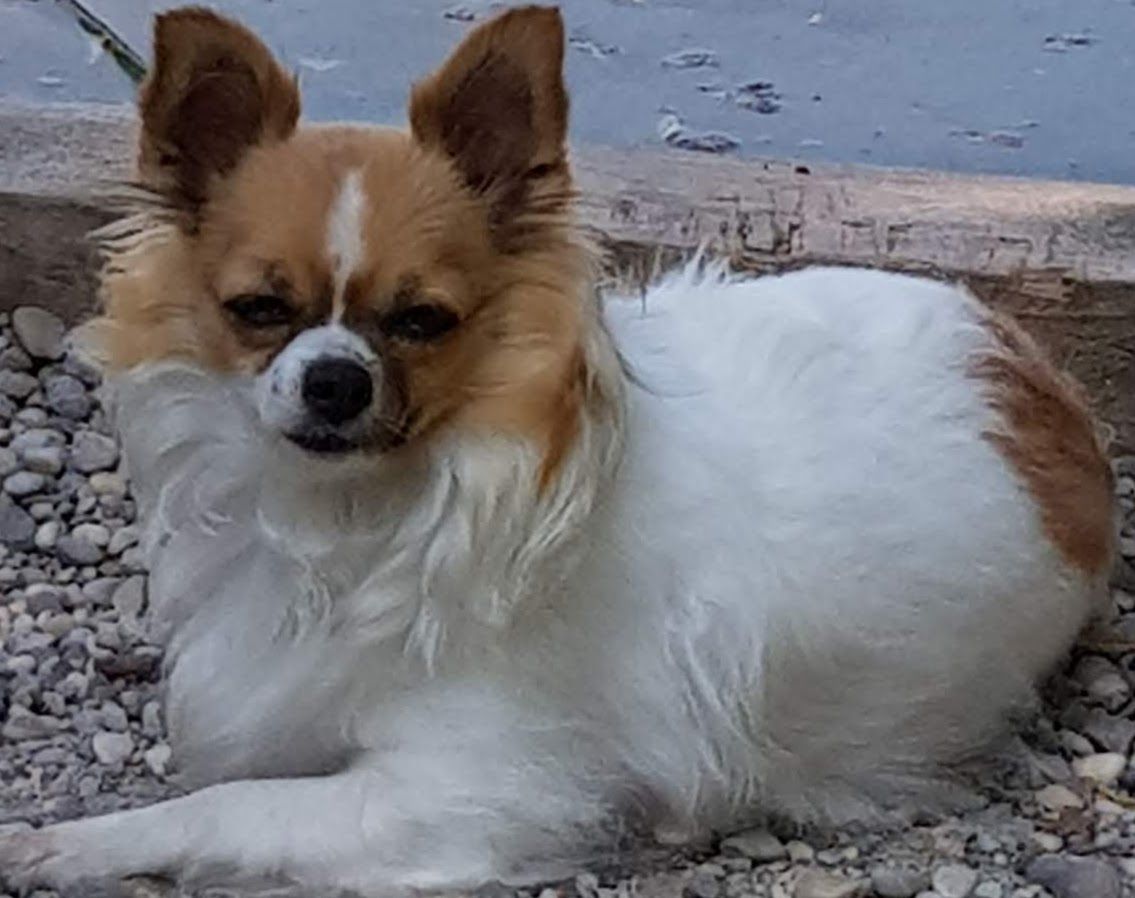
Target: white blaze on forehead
345, 236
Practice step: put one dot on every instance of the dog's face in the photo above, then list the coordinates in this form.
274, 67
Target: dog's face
377, 287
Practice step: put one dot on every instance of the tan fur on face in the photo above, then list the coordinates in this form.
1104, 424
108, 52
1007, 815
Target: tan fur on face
448, 217
1051, 441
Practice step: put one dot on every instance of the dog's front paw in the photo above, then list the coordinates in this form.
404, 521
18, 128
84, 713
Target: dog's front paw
46, 858
24, 856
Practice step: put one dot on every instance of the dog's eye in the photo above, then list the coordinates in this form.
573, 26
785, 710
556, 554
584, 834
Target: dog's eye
419, 323
260, 311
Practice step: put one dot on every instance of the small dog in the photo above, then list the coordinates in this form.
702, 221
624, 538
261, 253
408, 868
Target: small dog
465, 576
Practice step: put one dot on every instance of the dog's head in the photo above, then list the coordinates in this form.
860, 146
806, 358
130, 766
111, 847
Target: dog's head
377, 287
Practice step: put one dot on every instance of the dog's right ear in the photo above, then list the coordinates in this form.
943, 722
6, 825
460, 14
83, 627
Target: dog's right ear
215, 92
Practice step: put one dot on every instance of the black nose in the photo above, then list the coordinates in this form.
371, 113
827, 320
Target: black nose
336, 390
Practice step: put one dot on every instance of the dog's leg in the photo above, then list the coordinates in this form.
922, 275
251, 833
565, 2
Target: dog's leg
327, 831
371, 831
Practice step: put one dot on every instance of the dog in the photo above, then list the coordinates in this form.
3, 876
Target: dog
467, 573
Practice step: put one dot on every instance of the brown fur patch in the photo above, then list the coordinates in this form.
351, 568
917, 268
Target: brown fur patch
511, 366
1050, 438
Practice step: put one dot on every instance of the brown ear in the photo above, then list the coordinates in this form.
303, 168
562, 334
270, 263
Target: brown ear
215, 91
498, 106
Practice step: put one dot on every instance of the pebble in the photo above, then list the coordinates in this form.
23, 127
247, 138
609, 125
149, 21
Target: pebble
151, 719
157, 759
67, 397
1067, 876
954, 880
43, 459
23, 724
17, 528
37, 438
1104, 769
113, 717
107, 483
899, 881
822, 884
130, 597
95, 534
40, 597
1056, 797
122, 539
9, 462
759, 845
91, 452
702, 885
1047, 841
40, 332
112, 749
24, 483
72, 550
17, 384
46, 535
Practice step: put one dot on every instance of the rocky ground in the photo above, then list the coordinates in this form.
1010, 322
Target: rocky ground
82, 731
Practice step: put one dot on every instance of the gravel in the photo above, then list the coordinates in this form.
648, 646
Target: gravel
81, 728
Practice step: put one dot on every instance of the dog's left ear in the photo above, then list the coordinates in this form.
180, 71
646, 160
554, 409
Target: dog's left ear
497, 107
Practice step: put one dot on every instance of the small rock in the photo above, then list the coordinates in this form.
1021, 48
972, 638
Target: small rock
157, 759
988, 889
76, 551
42, 597
24, 483
1068, 876
1076, 744
112, 749
1050, 768
107, 483
122, 539
702, 885
152, 719
15, 359
130, 597
1048, 842
759, 845
95, 534
1103, 768
46, 535
822, 884
954, 880
8, 462
114, 717
37, 438
100, 590
17, 527
43, 459
39, 332
1057, 797
800, 852
23, 724
1110, 732
91, 452
17, 384
67, 397
899, 881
